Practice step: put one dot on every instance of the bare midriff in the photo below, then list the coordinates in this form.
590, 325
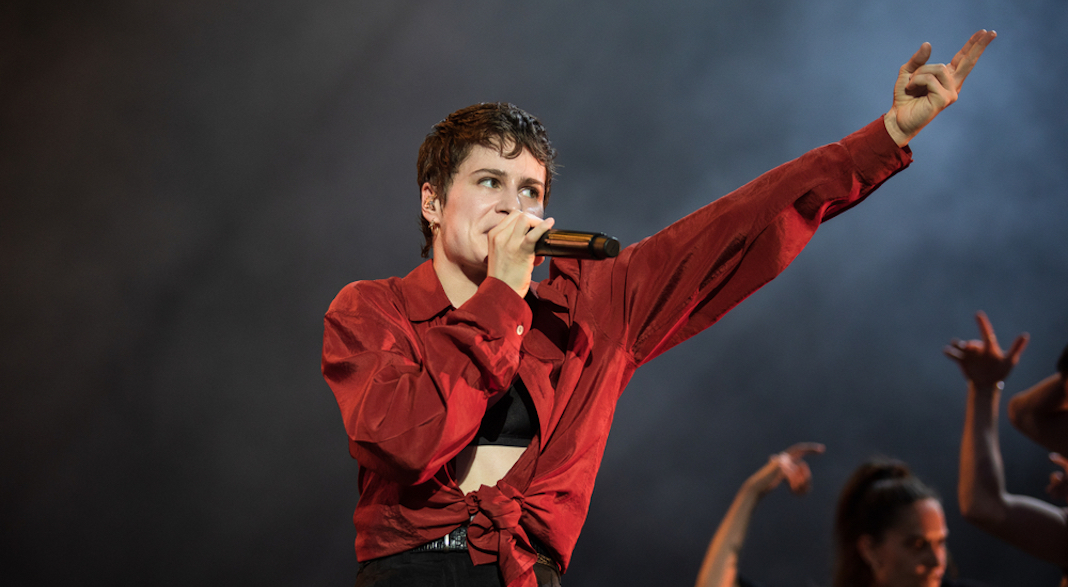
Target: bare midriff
485, 465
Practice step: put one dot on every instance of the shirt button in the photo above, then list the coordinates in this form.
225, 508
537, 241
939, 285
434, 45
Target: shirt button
519, 329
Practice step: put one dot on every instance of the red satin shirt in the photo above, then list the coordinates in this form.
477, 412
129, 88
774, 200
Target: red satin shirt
413, 375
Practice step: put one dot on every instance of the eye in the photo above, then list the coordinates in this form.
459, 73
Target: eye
490, 182
530, 193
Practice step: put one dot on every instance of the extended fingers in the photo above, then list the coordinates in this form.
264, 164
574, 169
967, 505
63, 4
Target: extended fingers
950, 77
1018, 347
965, 59
990, 341
958, 349
804, 448
954, 350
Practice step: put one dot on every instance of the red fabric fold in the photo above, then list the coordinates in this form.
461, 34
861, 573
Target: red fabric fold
495, 536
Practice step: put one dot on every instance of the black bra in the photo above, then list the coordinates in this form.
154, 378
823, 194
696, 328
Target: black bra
512, 421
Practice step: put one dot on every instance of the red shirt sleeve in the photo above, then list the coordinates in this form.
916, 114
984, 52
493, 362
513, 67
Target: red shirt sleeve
676, 283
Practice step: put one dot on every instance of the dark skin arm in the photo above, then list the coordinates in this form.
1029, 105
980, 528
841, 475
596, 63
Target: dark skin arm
1030, 524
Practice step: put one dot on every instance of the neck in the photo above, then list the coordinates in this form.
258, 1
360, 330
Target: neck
459, 286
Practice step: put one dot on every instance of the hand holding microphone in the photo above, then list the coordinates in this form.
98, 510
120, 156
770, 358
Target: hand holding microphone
515, 270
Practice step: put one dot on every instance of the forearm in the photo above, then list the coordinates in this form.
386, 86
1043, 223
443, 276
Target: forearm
1031, 525
720, 565
718, 255
981, 487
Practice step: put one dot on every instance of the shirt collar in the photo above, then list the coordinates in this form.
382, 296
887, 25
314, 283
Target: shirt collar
424, 298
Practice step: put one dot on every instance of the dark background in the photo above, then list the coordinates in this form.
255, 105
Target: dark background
184, 187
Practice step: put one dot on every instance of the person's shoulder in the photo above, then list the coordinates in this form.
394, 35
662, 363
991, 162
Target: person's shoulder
365, 294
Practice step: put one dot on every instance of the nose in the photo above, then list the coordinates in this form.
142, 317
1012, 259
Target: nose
508, 201
934, 556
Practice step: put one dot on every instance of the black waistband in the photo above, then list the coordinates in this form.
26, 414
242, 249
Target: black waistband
456, 541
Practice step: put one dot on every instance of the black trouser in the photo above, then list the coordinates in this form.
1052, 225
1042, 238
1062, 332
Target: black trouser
440, 569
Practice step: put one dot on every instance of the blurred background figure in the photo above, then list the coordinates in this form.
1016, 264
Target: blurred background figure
1035, 526
1041, 412
890, 529
720, 566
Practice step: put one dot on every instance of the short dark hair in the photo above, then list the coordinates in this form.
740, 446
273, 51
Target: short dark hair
1062, 363
493, 125
870, 503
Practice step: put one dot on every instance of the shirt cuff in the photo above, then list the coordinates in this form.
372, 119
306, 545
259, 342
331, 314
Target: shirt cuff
500, 310
875, 154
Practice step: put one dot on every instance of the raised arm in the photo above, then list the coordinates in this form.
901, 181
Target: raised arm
1032, 525
1041, 412
720, 566
674, 284
923, 90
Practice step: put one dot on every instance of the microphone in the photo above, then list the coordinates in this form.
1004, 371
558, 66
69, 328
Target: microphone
577, 245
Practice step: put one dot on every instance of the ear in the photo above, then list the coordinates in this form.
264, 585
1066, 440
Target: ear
866, 548
430, 204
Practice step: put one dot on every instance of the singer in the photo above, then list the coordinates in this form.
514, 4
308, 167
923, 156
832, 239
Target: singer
477, 403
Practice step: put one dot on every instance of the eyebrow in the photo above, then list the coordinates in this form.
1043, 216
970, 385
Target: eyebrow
502, 173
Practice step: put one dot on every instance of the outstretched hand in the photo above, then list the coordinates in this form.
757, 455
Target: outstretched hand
982, 361
789, 465
923, 90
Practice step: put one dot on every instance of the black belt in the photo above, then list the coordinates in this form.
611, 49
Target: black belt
453, 541
456, 541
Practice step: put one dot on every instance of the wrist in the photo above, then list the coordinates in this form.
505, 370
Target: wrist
894, 130
988, 386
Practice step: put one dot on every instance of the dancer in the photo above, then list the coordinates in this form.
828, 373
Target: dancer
1032, 525
890, 530
720, 566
